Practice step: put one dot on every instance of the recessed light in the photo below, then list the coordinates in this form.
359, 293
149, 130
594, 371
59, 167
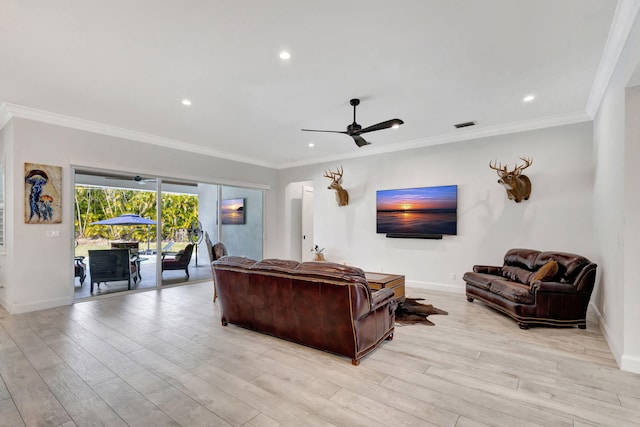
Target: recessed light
529, 98
285, 55
311, 145
186, 102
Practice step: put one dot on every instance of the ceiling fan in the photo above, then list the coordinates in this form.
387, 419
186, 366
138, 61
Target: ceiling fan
354, 130
137, 178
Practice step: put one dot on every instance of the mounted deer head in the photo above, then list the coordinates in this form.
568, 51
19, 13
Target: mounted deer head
342, 196
518, 186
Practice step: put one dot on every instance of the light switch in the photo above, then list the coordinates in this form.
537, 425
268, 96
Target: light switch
53, 233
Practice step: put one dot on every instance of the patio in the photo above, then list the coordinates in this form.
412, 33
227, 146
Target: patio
198, 273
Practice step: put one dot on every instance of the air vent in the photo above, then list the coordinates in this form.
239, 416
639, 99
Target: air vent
464, 125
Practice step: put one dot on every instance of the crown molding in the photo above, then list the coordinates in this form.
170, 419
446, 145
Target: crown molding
22, 112
5, 115
623, 20
462, 135
8, 111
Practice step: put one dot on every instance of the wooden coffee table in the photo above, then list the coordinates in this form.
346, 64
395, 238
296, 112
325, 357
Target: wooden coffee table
378, 281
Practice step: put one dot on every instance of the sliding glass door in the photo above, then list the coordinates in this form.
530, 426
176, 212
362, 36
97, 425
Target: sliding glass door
184, 257
113, 213
162, 223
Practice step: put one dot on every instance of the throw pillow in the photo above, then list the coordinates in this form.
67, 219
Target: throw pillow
545, 273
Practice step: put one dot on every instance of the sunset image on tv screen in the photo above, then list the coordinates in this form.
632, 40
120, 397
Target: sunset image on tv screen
232, 211
425, 210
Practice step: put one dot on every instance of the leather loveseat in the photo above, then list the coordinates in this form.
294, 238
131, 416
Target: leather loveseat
323, 305
533, 287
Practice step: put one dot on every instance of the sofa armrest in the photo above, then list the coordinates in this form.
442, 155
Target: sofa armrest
487, 269
556, 287
381, 297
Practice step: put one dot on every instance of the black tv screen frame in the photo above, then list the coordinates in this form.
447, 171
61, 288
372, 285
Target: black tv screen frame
420, 212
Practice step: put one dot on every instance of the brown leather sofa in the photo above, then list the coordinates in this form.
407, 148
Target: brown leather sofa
536, 288
323, 305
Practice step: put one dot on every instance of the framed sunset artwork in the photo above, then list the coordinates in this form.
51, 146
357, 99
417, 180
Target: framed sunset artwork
232, 211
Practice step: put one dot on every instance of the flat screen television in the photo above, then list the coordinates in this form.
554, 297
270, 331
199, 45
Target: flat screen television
417, 211
232, 211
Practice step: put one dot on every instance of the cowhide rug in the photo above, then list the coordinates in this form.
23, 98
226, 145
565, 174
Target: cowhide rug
410, 311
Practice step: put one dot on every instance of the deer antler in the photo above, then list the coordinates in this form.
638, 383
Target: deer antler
334, 176
499, 168
527, 162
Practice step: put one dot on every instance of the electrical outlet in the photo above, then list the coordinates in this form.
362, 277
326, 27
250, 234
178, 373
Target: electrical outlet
453, 276
53, 233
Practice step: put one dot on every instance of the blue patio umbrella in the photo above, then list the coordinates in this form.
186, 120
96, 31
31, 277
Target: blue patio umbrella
128, 219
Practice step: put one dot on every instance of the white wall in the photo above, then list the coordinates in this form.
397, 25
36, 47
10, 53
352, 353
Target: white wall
615, 207
6, 258
41, 273
631, 357
608, 212
557, 217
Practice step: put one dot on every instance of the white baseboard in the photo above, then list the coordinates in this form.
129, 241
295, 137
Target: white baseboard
38, 305
615, 348
626, 362
432, 286
630, 363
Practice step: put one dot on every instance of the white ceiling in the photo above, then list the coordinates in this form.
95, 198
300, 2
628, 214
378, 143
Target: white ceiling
128, 64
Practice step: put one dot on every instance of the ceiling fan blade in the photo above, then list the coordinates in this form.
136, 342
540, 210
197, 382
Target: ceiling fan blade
330, 131
360, 141
381, 125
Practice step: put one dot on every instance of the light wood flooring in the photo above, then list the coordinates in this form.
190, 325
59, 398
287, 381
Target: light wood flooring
161, 358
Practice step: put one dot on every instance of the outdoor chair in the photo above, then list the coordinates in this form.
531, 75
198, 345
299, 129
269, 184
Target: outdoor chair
216, 252
80, 269
179, 261
109, 265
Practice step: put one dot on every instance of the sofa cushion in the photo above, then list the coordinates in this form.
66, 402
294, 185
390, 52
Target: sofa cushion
546, 273
525, 258
331, 269
517, 274
480, 280
516, 292
235, 261
280, 265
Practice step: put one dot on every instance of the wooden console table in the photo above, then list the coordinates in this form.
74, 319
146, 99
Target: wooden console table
378, 281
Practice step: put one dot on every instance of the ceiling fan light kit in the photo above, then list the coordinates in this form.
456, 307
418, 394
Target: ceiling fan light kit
354, 130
